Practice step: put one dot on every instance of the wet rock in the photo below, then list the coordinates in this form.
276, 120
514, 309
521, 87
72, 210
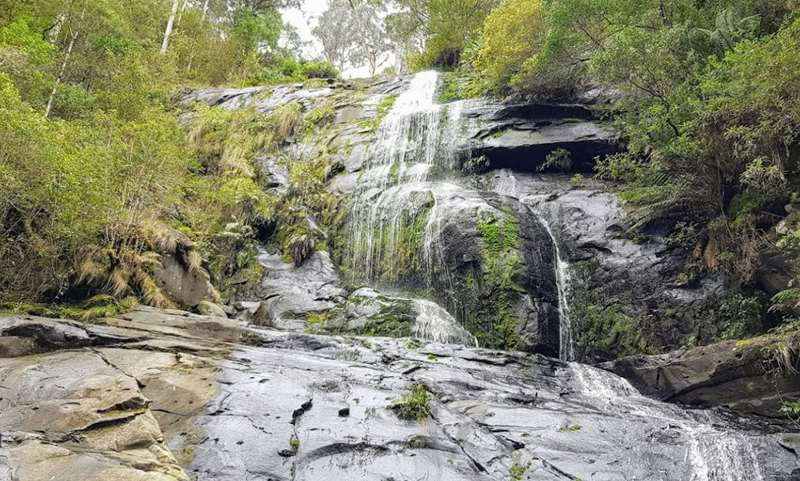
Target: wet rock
744, 376
494, 269
612, 274
367, 312
520, 137
162, 404
288, 294
97, 412
274, 176
492, 414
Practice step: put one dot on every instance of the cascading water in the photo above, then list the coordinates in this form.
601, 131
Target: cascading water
565, 348
508, 185
395, 210
711, 454
436, 324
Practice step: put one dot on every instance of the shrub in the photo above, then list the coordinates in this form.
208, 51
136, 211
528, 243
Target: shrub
414, 405
512, 34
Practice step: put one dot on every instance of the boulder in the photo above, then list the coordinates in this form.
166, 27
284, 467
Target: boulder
210, 309
486, 258
186, 287
748, 376
288, 294
370, 313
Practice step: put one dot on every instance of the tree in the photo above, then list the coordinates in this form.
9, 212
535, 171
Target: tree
369, 38
512, 34
335, 31
170, 24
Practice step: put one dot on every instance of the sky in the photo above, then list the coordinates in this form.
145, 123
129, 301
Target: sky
304, 19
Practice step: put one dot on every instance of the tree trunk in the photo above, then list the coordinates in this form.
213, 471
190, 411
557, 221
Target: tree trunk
63, 70
170, 24
191, 54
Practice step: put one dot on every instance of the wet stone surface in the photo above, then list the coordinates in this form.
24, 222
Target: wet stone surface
492, 416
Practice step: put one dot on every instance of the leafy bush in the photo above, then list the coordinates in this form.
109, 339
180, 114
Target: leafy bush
512, 33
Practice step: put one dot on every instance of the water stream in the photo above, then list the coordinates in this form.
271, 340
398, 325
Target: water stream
566, 349
712, 454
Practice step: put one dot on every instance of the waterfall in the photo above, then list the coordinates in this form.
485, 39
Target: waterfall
566, 350
409, 143
507, 184
711, 454
395, 218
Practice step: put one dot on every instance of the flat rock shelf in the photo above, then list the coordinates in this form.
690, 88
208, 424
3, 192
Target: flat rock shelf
167, 395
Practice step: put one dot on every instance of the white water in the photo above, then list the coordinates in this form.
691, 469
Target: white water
711, 454
415, 136
436, 324
386, 230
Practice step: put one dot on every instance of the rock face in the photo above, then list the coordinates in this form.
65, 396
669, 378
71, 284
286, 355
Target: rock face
289, 294
750, 377
520, 137
625, 296
166, 395
484, 257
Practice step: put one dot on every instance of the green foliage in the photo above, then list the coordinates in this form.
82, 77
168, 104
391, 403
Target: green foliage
791, 409
91, 186
414, 405
518, 472
449, 26
559, 159
512, 34
94, 308
383, 108
740, 316
608, 332
450, 90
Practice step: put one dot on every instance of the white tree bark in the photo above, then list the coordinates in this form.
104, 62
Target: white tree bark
170, 25
63, 70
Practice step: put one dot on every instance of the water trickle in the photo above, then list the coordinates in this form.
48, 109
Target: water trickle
711, 454
506, 183
436, 324
565, 349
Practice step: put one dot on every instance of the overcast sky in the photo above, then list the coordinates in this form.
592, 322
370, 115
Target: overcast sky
304, 19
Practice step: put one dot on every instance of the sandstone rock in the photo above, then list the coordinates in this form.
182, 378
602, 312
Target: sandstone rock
210, 309
81, 410
187, 287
